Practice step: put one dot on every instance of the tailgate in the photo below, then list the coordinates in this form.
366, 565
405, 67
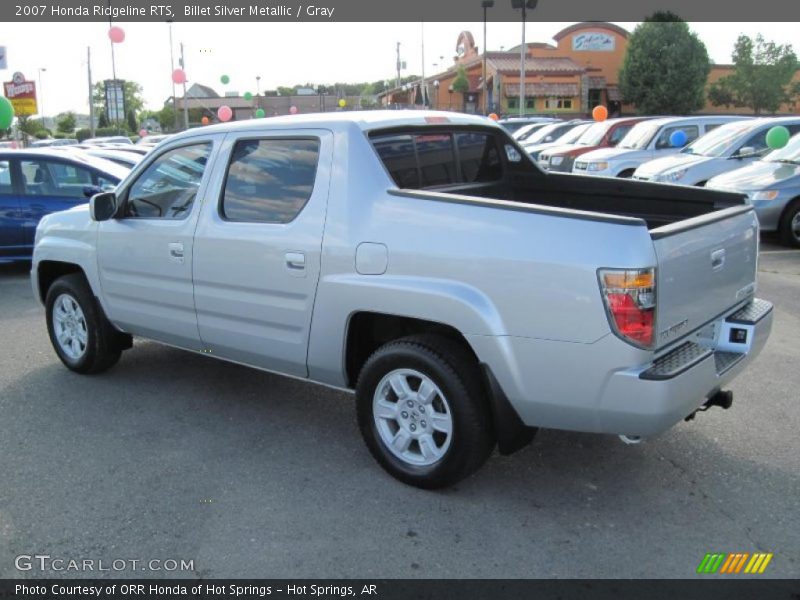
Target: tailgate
706, 266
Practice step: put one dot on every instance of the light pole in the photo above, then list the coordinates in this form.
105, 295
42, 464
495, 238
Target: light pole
486, 4
523, 4
41, 94
172, 70
436, 85
258, 85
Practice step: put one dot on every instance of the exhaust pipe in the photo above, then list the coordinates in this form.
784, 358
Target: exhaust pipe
631, 440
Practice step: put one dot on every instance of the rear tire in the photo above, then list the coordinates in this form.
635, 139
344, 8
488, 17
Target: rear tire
81, 335
422, 411
789, 227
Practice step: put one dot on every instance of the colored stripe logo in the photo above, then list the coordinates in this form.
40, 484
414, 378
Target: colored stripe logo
734, 563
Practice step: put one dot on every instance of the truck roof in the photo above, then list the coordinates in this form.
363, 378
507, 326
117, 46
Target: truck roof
365, 120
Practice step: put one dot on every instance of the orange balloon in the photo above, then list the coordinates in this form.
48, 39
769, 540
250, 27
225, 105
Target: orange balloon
204, 120
599, 113
493, 116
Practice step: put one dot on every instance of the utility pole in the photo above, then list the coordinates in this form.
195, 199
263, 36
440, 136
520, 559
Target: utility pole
91, 94
486, 4
172, 70
522, 65
398, 64
185, 106
423, 88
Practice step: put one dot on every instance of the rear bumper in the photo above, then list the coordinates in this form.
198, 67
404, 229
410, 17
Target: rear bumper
593, 388
651, 400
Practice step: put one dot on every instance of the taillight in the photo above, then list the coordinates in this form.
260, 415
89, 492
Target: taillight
630, 299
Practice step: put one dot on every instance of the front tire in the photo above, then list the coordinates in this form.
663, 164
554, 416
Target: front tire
81, 335
789, 228
422, 411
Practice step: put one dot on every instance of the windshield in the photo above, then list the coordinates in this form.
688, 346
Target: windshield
719, 141
640, 136
539, 135
594, 134
574, 134
790, 153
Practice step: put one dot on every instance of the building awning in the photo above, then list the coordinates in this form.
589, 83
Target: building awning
613, 94
543, 90
597, 83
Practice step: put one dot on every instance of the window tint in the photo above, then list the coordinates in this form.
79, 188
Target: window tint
428, 160
478, 157
167, 187
691, 132
5, 177
50, 178
269, 181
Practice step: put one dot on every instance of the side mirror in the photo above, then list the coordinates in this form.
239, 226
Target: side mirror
91, 190
745, 152
103, 206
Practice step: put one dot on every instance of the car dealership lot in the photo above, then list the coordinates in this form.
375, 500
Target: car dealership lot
171, 455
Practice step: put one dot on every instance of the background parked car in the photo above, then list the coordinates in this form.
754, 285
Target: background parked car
111, 139
511, 124
728, 147
645, 142
127, 160
604, 134
48, 143
772, 185
34, 183
549, 134
153, 139
528, 131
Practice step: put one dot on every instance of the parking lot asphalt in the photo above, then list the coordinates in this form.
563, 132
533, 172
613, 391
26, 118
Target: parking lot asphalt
172, 455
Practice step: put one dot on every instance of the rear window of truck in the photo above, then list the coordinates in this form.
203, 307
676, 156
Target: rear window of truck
428, 160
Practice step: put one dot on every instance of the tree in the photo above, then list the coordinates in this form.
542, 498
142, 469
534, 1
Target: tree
133, 125
665, 68
461, 83
66, 122
761, 78
31, 127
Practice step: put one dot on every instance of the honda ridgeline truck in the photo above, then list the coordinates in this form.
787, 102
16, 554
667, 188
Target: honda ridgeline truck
422, 261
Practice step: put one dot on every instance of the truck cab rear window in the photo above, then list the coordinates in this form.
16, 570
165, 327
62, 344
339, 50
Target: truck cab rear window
429, 160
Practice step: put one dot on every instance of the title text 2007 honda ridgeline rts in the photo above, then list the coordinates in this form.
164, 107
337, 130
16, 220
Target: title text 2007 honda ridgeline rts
421, 260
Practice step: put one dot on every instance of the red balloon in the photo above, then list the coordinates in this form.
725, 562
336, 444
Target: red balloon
599, 113
293, 110
179, 76
224, 113
204, 120
116, 34
143, 132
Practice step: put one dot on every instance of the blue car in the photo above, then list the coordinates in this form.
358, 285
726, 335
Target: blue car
772, 185
35, 183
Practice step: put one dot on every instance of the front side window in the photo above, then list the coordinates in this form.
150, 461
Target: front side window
51, 178
269, 180
168, 186
665, 138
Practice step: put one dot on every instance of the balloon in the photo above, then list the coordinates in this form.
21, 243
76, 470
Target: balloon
6, 112
260, 113
225, 79
293, 110
493, 116
205, 121
116, 34
599, 113
224, 113
179, 76
677, 139
342, 103
777, 137
248, 96
143, 132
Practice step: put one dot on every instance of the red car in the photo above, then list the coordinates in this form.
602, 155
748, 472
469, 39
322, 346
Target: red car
603, 134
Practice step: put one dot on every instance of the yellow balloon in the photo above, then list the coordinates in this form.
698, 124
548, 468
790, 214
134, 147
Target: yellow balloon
342, 103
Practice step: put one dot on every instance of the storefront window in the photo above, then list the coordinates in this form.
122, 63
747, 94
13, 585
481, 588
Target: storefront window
559, 102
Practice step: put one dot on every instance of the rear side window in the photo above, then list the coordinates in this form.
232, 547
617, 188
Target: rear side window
419, 161
691, 131
5, 177
269, 180
619, 133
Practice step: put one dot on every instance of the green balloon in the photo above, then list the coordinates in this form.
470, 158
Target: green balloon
777, 137
248, 96
6, 113
260, 113
225, 79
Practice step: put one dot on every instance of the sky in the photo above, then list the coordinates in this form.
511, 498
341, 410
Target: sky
280, 53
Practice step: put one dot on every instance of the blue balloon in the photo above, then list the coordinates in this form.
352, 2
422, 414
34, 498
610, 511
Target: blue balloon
677, 139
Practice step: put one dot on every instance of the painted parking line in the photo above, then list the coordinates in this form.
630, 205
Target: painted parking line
778, 251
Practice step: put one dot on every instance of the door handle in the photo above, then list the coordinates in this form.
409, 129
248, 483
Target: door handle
176, 252
295, 261
718, 259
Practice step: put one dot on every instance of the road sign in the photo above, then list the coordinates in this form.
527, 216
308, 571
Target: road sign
3, 59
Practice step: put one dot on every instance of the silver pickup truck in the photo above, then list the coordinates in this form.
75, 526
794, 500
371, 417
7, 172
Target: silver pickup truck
422, 261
